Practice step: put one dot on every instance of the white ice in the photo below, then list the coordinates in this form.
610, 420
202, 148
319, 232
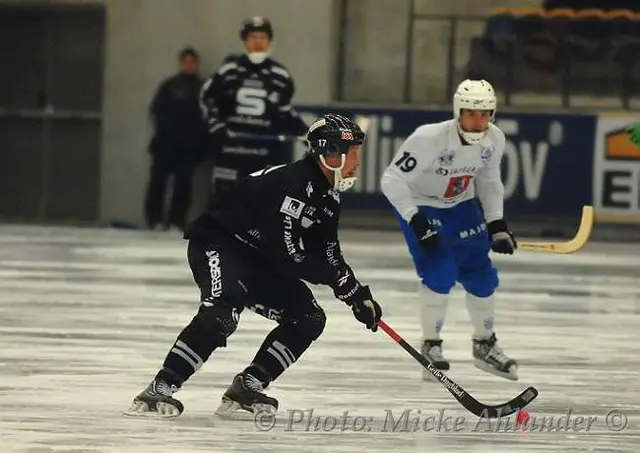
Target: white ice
87, 316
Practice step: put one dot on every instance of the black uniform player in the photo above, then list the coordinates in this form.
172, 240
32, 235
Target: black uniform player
254, 248
250, 93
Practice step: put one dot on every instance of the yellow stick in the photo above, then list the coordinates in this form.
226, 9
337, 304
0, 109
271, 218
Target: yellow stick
580, 239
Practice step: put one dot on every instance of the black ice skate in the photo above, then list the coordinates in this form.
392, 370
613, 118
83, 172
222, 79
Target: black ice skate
245, 395
156, 401
432, 351
490, 358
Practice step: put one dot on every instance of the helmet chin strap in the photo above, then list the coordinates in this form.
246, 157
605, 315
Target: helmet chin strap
339, 183
473, 138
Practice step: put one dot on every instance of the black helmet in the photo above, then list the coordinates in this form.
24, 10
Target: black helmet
333, 133
256, 24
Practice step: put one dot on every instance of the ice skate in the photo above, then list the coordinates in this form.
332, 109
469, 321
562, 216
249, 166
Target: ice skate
432, 351
490, 358
156, 401
245, 397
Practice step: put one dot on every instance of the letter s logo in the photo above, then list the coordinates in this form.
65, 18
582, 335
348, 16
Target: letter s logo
251, 101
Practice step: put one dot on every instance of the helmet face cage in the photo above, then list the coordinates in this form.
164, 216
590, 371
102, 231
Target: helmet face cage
333, 134
474, 95
256, 24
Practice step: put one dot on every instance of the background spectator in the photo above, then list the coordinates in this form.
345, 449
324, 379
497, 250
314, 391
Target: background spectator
176, 144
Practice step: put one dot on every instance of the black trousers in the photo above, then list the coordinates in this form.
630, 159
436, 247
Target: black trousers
163, 167
232, 277
228, 270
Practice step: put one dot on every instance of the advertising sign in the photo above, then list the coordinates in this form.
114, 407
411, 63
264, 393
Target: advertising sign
616, 170
546, 170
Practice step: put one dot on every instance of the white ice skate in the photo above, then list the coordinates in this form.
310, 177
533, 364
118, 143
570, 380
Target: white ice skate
490, 358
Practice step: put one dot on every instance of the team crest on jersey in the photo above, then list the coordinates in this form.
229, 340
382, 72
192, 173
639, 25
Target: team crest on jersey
446, 158
291, 206
457, 186
486, 154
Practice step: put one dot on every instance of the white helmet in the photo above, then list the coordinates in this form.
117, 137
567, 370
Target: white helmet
474, 95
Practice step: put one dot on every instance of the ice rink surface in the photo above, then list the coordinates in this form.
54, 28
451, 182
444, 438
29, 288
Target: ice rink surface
87, 316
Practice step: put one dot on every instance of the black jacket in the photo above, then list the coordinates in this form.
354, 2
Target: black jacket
289, 213
176, 114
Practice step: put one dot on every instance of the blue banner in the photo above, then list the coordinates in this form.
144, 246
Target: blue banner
546, 170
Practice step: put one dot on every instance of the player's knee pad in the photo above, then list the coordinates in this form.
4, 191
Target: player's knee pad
219, 320
309, 325
481, 283
315, 322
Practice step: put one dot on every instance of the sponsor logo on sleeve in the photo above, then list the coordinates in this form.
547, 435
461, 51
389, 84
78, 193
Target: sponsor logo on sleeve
292, 207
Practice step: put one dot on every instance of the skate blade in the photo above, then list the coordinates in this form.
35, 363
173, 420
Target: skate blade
233, 410
141, 409
512, 374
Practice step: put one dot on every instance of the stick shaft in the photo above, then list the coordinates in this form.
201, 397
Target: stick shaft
465, 399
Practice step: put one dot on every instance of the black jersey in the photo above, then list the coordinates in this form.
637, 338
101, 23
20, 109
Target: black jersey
252, 98
289, 213
249, 98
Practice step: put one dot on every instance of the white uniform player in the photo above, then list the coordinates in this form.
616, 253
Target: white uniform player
434, 183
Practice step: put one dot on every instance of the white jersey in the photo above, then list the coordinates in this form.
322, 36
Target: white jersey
433, 168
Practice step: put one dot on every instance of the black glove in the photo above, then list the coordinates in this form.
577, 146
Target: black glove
502, 240
366, 310
349, 290
346, 285
427, 235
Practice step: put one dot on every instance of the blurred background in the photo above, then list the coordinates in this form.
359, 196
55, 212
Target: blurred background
78, 78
